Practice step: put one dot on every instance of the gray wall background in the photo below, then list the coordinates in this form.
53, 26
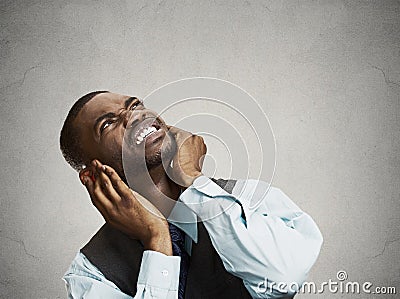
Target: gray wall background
326, 72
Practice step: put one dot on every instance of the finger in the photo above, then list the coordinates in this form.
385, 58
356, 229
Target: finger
201, 161
89, 184
101, 201
204, 147
98, 189
96, 166
107, 186
120, 187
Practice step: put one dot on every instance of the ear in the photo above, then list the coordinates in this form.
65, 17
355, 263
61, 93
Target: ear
85, 172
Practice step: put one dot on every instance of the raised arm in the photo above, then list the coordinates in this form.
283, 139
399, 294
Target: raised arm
132, 214
271, 248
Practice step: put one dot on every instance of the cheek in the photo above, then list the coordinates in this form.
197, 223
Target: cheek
151, 113
111, 147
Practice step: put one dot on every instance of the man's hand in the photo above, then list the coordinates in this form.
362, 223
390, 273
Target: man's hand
188, 160
125, 209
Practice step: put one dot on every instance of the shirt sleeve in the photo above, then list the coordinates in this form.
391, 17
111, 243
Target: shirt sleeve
271, 247
158, 278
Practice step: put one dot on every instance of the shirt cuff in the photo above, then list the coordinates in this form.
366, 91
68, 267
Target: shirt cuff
208, 200
159, 270
206, 186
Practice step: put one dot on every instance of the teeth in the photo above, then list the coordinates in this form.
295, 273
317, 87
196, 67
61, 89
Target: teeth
145, 132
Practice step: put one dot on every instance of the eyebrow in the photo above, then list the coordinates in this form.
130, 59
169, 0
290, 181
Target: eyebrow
127, 103
104, 116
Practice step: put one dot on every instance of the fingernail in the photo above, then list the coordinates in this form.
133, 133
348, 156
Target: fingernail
103, 167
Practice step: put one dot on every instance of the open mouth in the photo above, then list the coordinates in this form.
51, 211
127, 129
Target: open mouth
146, 129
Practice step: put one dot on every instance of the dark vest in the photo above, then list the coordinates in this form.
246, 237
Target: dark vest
119, 257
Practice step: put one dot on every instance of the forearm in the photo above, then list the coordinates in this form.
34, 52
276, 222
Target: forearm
277, 241
159, 241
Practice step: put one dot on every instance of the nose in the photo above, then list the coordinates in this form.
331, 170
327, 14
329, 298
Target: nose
132, 117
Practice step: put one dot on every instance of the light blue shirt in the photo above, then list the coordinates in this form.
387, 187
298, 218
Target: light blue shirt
261, 236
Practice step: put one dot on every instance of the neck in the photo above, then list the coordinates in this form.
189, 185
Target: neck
164, 184
158, 188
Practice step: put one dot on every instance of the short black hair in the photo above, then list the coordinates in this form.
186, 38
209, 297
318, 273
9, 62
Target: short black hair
69, 141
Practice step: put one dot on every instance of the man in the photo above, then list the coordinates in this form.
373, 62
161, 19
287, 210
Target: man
142, 251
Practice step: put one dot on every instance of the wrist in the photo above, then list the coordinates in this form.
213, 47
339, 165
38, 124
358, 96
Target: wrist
159, 240
190, 179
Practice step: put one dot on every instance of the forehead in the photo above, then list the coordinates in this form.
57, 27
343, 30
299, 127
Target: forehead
101, 104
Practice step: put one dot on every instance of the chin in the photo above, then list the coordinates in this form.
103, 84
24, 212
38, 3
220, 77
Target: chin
137, 161
165, 151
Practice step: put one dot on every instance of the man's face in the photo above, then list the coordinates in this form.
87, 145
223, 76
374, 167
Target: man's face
108, 118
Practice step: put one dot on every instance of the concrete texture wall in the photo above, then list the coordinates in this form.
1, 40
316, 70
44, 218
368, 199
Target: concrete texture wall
327, 73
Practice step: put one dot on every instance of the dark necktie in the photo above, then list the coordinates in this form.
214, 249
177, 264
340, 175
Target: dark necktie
178, 248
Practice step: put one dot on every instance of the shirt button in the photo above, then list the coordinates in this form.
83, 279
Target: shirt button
164, 272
